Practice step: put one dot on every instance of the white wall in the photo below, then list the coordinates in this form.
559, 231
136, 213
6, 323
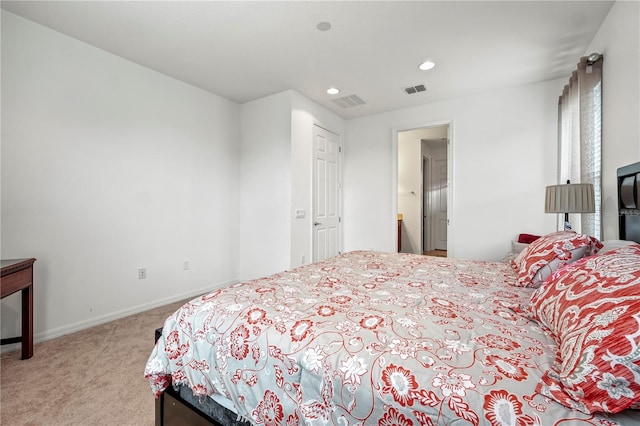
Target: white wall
619, 41
277, 152
503, 155
265, 190
410, 191
108, 166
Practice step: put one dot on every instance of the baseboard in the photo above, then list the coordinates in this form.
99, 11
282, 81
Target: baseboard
82, 325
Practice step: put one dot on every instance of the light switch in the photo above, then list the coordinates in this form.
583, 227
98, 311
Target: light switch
300, 213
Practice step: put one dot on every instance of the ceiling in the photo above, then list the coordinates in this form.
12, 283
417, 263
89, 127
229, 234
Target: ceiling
247, 50
434, 136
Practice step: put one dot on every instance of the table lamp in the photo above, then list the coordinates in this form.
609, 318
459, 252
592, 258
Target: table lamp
570, 198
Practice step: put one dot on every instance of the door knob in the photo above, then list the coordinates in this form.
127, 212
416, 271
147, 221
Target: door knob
316, 223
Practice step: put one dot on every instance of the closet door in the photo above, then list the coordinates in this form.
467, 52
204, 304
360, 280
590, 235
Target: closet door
326, 194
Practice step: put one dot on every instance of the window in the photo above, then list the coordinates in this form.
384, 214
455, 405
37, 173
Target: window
580, 136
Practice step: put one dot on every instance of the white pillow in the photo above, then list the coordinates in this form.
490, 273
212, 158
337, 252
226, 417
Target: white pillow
517, 247
614, 244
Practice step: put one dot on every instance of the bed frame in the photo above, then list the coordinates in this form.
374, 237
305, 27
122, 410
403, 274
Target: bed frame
177, 406
629, 202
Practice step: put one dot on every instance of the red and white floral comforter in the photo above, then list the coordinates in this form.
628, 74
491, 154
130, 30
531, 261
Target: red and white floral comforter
369, 338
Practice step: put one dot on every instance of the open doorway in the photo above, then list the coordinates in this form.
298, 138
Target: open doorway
423, 190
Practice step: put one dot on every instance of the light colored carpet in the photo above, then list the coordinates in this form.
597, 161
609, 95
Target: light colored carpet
92, 377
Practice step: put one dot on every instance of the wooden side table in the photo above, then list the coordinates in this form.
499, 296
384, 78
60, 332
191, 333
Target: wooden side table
17, 274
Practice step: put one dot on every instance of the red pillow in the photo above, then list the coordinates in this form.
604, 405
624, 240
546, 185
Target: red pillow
527, 238
592, 308
549, 253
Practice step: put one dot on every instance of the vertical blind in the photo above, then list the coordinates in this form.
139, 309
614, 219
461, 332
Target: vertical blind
580, 137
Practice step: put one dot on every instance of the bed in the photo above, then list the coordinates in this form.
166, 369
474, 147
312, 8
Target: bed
551, 337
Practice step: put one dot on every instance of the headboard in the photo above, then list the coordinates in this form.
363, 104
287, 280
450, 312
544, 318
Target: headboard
629, 202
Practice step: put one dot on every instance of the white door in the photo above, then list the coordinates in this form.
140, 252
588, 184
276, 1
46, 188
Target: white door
440, 205
326, 194
426, 190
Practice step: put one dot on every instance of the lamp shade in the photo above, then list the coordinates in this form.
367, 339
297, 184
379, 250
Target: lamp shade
570, 198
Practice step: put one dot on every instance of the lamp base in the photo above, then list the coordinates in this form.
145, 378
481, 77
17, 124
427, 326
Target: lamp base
567, 224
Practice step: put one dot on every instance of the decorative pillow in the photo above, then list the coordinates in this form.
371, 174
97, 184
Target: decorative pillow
592, 308
549, 253
614, 244
527, 238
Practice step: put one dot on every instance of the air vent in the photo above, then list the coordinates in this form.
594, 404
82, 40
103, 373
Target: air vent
414, 89
349, 101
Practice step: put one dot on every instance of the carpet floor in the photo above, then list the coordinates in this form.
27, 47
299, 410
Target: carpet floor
92, 377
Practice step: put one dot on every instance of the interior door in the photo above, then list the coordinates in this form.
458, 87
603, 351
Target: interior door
326, 194
440, 205
426, 191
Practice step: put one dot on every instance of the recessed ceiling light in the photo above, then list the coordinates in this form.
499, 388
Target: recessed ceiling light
426, 65
333, 90
323, 26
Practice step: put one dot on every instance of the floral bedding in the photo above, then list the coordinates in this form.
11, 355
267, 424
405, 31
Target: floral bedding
369, 338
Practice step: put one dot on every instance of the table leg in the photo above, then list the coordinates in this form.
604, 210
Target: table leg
27, 321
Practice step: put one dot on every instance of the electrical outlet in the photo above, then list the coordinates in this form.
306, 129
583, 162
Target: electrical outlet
186, 265
142, 273
302, 259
